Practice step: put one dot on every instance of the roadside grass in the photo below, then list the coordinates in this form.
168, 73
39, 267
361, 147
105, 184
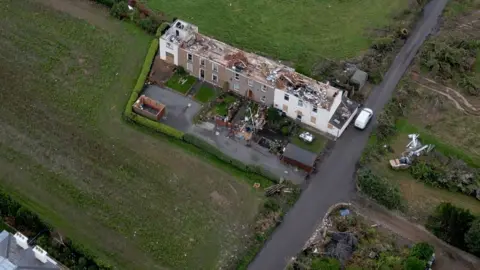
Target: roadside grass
287, 30
205, 94
181, 83
315, 146
66, 154
477, 64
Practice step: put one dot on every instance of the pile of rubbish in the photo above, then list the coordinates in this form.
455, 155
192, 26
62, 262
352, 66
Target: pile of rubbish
341, 246
414, 149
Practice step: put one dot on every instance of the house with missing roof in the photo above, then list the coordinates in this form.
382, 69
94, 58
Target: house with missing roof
17, 254
263, 80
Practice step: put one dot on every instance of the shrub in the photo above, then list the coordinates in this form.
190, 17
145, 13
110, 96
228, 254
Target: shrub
379, 189
157, 126
472, 237
426, 172
119, 10
271, 205
422, 251
450, 223
414, 263
162, 29
148, 24
142, 77
181, 71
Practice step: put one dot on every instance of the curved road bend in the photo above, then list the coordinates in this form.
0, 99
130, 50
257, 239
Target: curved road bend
334, 180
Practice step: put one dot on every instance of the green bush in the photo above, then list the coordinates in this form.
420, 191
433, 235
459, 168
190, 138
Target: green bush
157, 126
161, 29
379, 189
414, 263
450, 223
422, 251
142, 77
425, 172
148, 24
119, 10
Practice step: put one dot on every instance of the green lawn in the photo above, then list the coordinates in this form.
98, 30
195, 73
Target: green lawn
66, 154
294, 31
222, 107
316, 146
205, 94
181, 83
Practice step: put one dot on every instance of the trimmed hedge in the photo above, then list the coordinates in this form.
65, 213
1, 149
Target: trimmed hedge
157, 126
142, 77
162, 28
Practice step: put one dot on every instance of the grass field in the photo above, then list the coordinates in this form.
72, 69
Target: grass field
301, 32
67, 155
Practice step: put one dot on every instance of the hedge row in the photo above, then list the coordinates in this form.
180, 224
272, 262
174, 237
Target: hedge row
142, 77
25, 221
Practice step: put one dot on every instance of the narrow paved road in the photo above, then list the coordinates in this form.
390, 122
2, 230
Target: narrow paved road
334, 180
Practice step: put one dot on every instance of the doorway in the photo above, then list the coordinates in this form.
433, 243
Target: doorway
250, 94
202, 74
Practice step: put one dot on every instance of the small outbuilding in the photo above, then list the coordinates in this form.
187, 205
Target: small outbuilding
149, 108
359, 78
299, 157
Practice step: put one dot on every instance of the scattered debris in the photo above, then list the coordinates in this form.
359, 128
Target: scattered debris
256, 185
274, 189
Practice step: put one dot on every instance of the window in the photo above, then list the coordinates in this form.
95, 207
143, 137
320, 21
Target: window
190, 66
263, 99
202, 62
236, 86
237, 76
250, 83
214, 78
314, 109
214, 67
313, 119
285, 108
299, 116
286, 97
189, 57
169, 45
264, 88
300, 103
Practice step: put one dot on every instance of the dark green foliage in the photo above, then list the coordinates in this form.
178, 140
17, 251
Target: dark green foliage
119, 10
162, 28
325, 264
181, 71
422, 251
273, 114
271, 205
149, 25
426, 172
472, 237
28, 222
379, 189
414, 263
450, 223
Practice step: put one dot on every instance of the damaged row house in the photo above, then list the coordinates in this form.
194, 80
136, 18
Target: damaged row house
316, 104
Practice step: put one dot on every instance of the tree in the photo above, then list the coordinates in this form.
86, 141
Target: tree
450, 223
414, 263
422, 250
325, 264
472, 237
119, 10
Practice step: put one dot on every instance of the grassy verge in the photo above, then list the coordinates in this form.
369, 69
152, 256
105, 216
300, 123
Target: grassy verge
181, 83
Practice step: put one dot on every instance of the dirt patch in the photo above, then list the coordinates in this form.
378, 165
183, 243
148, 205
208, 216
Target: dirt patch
219, 199
85, 10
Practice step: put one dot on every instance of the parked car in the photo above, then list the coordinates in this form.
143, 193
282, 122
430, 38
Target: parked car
363, 118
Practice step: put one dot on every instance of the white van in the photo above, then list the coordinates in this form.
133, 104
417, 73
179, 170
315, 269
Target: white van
363, 118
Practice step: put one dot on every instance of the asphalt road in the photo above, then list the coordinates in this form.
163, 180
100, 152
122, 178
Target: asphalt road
334, 180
